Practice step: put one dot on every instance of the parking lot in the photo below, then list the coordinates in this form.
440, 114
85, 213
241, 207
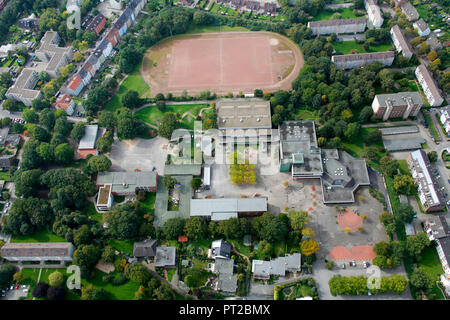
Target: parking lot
15, 292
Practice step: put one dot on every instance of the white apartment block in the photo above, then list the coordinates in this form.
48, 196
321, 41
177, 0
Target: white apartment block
351, 61
337, 26
400, 42
374, 13
445, 118
23, 89
397, 105
429, 86
55, 56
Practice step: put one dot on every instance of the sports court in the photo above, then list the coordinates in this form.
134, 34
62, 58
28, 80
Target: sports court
244, 61
222, 63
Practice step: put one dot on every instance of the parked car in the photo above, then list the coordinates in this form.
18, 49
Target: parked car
366, 264
343, 266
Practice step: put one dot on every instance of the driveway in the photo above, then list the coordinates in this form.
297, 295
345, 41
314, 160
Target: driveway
142, 154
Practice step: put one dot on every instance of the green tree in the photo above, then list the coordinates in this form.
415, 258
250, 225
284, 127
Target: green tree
169, 182
269, 227
106, 119
78, 130
433, 156
173, 228
56, 279
168, 124
416, 244
86, 257
29, 115
138, 273
404, 184
7, 272
108, 254
196, 183
421, 279
64, 153
196, 228
131, 99
298, 219
405, 213
97, 164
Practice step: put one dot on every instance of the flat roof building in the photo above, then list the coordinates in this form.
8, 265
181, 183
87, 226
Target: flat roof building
358, 60
337, 26
340, 173
50, 52
226, 208
165, 257
427, 187
429, 86
400, 42
88, 142
243, 114
127, 183
23, 89
397, 105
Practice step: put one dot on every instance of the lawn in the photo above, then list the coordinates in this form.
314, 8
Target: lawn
148, 204
432, 265
239, 245
346, 13
125, 246
122, 292
4, 175
32, 276
133, 81
153, 115
40, 236
90, 211
345, 47
206, 29
430, 124
303, 114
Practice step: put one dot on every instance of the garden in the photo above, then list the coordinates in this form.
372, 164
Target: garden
300, 289
346, 47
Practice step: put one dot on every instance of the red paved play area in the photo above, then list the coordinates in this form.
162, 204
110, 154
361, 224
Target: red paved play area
358, 253
244, 61
349, 219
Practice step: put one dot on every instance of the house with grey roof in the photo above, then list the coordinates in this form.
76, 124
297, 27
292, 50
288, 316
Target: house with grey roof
41, 252
410, 11
145, 249
337, 26
225, 208
165, 257
277, 267
220, 249
401, 43
397, 105
422, 27
434, 42
358, 60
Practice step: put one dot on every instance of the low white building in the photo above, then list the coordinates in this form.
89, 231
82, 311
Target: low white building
429, 86
445, 118
422, 27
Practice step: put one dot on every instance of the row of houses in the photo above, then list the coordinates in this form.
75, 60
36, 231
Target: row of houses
52, 56
255, 6
105, 47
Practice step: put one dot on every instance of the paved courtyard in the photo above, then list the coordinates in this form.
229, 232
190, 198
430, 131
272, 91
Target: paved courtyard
142, 154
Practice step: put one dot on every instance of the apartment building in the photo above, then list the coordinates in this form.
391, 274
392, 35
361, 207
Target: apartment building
374, 13
23, 89
400, 42
427, 187
351, 61
422, 27
410, 11
429, 86
50, 52
397, 105
337, 26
